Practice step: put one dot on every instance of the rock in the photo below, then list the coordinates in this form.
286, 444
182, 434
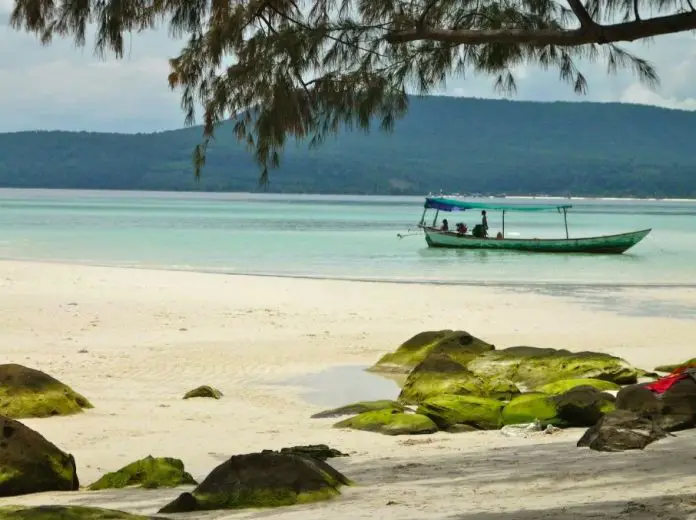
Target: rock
532, 407
583, 405
459, 344
637, 398
461, 428
441, 374
204, 391
672, 368
318, 451
533, 367
31, 464
262, 480
622, 430
356, 408
390, 422
448, 410
148, 473
563, 385
679, 405
68, 513
25, 392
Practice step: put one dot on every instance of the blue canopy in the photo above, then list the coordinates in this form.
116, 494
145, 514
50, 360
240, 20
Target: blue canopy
443, 204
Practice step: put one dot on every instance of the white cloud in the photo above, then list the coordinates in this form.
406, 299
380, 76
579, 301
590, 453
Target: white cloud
639, 94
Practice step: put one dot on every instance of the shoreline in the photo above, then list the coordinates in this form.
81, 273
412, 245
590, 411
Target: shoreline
133, 341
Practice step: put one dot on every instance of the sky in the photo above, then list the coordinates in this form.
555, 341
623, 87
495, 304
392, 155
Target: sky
61, 87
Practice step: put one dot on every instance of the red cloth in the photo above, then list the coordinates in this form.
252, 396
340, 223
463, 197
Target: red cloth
665, 383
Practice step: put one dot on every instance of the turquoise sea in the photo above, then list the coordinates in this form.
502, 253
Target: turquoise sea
347, 237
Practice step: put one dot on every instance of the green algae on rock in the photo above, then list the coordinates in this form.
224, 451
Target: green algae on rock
671, 368
533, 367
448, 410
360, 407
527, 408
26, 392
204, 391
29, 463
390, 422
68, 513
458, 344
563, 385
583, 405
441, 374
149, 473
262, 480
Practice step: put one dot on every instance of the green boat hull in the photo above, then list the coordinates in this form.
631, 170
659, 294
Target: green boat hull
608, 244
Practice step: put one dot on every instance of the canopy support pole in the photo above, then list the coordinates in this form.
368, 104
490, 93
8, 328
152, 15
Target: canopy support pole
437, 212
565, 220
422, 220
503, 223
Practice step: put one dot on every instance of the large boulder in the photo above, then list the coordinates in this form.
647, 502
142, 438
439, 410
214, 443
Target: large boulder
458, 344
532, 407
583, 405
563, 385
390, 422
448, 410
361, 407
533, 367
68, 513
441, 374
675, 408
622, 430
31, 464
148, 473
267, 479
25, 392
637, 398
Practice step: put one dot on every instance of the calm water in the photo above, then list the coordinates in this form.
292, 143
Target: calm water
334, 236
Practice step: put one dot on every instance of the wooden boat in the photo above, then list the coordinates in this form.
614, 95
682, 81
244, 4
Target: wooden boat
437, 237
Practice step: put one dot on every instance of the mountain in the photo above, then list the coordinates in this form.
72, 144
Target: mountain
444, 143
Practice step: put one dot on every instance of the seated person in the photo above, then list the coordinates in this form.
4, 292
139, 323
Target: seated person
445, 225
461, 228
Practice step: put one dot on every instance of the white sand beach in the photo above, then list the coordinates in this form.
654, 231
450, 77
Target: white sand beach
134, 341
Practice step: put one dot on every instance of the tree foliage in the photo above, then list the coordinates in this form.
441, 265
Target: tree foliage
305, 69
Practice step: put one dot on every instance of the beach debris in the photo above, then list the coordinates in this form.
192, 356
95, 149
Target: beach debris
390, 422
622, 430
414, 350
148, 473
267, 479
68, 513
204, 391
317, 451
26, 392
29, 463
521, 429
448, 410
551, 429
360, 407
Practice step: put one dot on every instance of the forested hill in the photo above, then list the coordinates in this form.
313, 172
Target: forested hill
450, 144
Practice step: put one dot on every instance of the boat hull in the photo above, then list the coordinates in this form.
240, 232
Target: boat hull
608, 244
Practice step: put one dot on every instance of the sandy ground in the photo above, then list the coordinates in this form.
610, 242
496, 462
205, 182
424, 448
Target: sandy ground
134, 341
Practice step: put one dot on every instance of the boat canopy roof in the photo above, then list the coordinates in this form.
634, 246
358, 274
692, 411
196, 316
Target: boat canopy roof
444, 204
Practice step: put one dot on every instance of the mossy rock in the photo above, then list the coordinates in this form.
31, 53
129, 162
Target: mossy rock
390, 422
534, 367
449, 410
204, 391
68, 513
671, 368
361, 407
458, 344
527, 408
149, 473
441, 374
25, 392
562, 386
265, 480
29, 463
583, 405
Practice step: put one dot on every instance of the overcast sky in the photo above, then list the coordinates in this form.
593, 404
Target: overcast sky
61, 87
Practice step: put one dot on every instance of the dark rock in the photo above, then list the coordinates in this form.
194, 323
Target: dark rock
262, 480
361, 407
204, 391
148, 473
583, 405
637, 398
679, 405
622, 430
26, 392
68, 513
31, 464
317, 451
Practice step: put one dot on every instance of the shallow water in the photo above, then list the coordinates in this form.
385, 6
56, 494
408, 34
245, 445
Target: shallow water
350, 237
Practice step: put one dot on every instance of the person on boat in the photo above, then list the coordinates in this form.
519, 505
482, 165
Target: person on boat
461, 228
445, 225
484, 223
